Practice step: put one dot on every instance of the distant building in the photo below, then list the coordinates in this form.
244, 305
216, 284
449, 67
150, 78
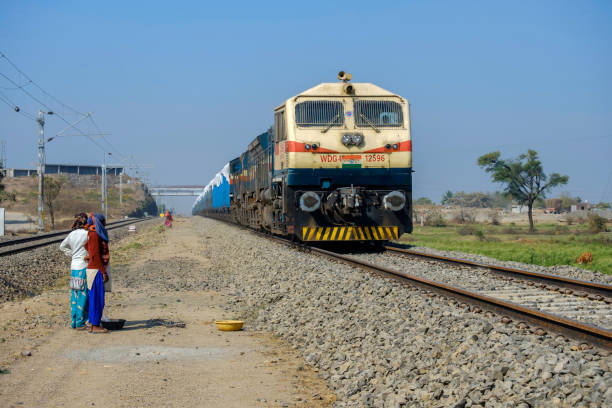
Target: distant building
518, 209
580, 207
79, 169
554, 205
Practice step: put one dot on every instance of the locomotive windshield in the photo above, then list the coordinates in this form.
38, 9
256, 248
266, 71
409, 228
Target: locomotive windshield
319, 113
378, 113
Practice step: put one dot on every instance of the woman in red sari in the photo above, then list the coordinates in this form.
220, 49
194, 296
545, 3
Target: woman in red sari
99, 256
168, 219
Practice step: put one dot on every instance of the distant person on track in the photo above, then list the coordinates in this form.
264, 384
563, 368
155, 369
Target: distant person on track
74, 246
99, 256
168, 219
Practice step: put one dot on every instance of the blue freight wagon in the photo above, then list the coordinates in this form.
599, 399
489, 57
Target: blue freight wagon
215, 198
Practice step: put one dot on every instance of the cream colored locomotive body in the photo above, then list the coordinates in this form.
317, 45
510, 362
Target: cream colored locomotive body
320, 146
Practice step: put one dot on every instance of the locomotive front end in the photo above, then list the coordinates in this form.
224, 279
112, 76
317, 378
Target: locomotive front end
343, 155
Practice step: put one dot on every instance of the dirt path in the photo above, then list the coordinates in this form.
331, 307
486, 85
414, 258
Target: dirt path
151, 363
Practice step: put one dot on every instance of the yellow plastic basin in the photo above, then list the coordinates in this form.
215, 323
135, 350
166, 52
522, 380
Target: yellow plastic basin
229, 325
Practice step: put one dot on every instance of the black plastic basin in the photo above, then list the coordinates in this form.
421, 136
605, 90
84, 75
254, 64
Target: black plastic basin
112, 324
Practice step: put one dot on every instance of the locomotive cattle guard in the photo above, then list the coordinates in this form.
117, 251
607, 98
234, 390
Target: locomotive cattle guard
336, 166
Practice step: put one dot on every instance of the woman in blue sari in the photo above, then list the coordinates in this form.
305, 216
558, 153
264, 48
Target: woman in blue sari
99, 256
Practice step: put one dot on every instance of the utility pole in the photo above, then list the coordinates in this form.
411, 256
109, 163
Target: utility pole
104, 192
3, 154
121, 192
41, 169
103, 188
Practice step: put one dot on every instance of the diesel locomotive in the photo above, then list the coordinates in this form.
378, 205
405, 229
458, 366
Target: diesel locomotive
335, 166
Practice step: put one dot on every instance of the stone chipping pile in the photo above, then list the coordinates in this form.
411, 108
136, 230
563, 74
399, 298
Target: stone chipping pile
380, 343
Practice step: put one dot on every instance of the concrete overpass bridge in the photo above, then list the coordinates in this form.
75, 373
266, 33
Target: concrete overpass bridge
175, 191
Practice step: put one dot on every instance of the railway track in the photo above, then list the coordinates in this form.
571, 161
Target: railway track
584, 301
26, 244
548, 314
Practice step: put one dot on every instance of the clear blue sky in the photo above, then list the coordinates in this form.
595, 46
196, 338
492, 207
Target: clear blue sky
184, 86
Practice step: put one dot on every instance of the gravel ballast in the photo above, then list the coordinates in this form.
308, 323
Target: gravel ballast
379, 343
595, 312
561, 270
27, 273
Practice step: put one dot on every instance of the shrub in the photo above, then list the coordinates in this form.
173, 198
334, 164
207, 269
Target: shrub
480, 235
465, 217
494, 217
423, 201
562, 229
467, 230
434, 218
582, 220
597, 223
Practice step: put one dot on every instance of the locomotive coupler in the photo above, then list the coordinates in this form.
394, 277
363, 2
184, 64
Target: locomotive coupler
345, 202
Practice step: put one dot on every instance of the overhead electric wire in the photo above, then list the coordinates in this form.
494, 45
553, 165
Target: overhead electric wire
15, 87
15, 107
57, 114
2, 55
104, 138
26, 92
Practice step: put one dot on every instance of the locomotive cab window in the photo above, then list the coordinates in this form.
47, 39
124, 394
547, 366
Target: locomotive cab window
279, 126
378, 113
319, 113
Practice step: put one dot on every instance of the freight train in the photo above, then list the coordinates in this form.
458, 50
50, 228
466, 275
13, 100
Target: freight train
335, 166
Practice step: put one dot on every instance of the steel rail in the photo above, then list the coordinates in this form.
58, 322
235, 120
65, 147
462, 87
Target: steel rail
583, 332
52, 239
596, 288
19, 241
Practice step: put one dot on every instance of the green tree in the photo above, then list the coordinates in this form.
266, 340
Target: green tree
475, 200
524, 177
499, 199
424, 201
52, 190
446, 198
603, 205
5, 195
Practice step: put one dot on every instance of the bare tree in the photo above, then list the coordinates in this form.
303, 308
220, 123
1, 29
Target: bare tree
52, 190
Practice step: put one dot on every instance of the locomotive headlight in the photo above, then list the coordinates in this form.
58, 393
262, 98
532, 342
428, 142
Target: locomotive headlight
352, 139
347, 139
357, 139
310, 201
394, 201
307, 147
395, 146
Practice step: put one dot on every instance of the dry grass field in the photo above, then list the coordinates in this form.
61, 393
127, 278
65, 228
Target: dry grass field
78, 194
